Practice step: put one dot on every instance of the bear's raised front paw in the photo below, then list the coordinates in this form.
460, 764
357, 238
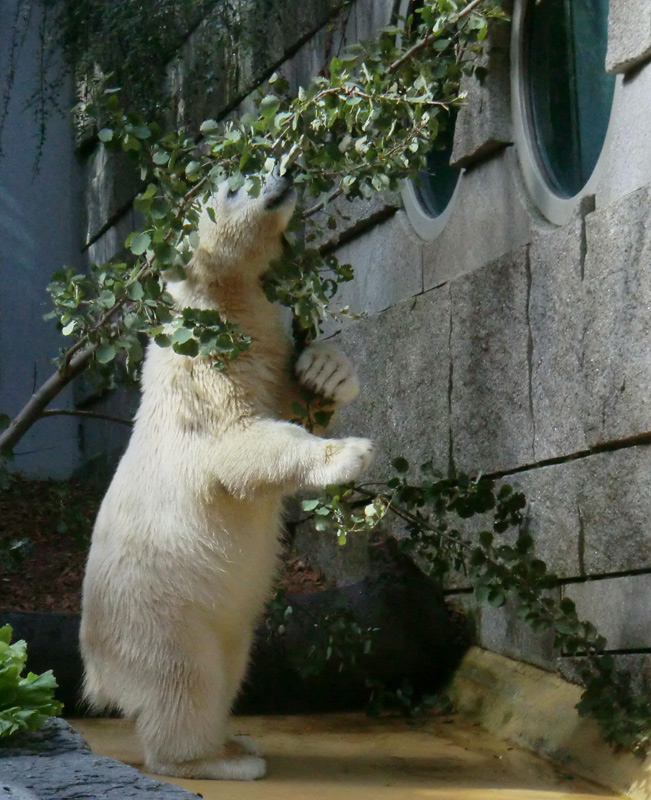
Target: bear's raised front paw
347, 458
328, 372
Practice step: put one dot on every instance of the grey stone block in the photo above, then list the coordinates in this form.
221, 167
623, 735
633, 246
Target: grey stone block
111, 182
591, 516
502, 631
483, 123
388, 267
492, 422
352, 217
625, 163
617, 332
619, 607
402, 357
629, 34
239, 58
556, 311
489, 220
111, 243
55, 764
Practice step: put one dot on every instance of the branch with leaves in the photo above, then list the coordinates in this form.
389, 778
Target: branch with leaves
500, 563
362, 129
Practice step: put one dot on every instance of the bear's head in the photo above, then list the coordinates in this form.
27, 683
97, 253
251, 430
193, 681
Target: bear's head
241, 234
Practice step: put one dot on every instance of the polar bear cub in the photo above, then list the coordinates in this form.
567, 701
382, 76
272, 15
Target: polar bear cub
185, 546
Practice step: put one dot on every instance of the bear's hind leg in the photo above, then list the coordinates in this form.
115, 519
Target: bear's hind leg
183, 729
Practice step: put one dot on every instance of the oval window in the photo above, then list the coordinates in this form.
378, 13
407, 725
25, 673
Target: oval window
567, 93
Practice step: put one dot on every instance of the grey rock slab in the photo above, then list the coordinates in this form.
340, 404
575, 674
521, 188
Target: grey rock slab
590, 516
111, 183
502, 631
617, 331
629, 34
625, 163
556, 310
352, 217
402, 357
483, 123
388, 267
489, 219
240, 57
55, 763
619, 607
492, 423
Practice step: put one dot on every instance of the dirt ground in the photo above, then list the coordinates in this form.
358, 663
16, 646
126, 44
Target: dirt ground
55, 521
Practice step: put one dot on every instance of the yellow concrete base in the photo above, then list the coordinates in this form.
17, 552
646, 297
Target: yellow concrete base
535, 709
353, 757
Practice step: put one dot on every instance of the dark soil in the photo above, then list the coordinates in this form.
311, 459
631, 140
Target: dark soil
45, 529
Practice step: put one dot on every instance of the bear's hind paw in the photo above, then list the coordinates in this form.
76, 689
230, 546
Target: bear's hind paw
241, 768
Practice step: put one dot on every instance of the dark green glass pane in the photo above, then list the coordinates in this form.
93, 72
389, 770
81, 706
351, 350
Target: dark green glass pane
569, 94
437, 182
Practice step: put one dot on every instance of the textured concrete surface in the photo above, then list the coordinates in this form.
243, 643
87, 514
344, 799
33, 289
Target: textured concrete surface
358, 758
483, 123
388, 267
629, 34
622, 607
402, 357
626, 161
489, 220
492, 424
618, 319
558, 397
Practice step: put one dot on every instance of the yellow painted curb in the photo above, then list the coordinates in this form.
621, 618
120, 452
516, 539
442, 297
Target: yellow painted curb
535, 710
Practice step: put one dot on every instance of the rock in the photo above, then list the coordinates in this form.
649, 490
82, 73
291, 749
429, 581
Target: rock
54, 763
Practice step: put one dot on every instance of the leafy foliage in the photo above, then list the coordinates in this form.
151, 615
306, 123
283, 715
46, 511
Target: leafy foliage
25, 702
500, 562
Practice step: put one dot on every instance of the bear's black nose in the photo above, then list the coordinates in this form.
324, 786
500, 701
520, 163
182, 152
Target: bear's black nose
278, 189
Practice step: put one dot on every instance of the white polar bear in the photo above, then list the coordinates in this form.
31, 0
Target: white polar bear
185, 546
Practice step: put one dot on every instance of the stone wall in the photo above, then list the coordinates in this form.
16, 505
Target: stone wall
507, 344
39, 233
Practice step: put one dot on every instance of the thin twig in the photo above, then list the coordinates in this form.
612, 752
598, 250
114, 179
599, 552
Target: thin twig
416, 48
77, 412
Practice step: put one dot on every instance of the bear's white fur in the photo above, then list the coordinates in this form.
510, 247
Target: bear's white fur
186, 541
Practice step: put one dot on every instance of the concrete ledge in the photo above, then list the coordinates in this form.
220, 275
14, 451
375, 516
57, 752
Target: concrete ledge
535, 710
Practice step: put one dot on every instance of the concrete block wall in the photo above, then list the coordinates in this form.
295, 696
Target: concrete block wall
507, 344
528, 354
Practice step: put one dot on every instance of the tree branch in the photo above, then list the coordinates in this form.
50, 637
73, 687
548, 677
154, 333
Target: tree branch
77, 412
34, 408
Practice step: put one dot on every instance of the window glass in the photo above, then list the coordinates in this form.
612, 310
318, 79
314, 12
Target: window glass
437, 182
568, 93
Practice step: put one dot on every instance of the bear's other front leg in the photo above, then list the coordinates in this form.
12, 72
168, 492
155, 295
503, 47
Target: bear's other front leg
328, 372
264, 452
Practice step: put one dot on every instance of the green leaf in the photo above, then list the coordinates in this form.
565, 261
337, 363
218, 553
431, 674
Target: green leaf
105, 135
135, 291
269, 105
209, 126
400, 464
105, 353
310, 505
138, 243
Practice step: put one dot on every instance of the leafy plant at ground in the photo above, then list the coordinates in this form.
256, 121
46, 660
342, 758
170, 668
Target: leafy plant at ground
25, 702
500, 562
339, 644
